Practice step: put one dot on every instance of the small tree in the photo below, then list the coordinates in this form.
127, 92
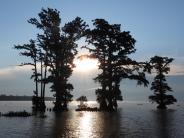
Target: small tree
82, 99
159, 85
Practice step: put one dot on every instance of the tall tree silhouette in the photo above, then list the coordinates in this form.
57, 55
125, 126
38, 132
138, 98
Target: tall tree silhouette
112, 48
43, 75
30, 50
159, 85
60, 46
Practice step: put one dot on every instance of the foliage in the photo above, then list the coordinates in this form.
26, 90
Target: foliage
82, 98
30, 50
112, 48
159, 85
59, 45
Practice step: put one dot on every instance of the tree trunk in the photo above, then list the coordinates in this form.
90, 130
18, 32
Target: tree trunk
110, 105
110, 92
36, 78
58, 103
44, 83
103, 105
161, 104
41, 87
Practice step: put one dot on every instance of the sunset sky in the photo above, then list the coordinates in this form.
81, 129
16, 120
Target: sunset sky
157, 25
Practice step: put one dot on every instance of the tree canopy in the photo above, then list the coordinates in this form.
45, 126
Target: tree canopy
57, 49
159, 85
112, 48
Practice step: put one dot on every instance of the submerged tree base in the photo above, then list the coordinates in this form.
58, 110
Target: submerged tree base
39, 108
38, 104
161, 107
59, 109
92, 109
108, 108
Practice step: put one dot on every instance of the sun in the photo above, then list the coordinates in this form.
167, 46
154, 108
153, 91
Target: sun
85, 64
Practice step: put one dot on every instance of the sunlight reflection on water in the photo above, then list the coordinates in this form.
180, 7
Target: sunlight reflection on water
85, 125
131, 120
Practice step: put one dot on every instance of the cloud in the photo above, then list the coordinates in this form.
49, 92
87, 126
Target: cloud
13, 72
177, 69
93, 88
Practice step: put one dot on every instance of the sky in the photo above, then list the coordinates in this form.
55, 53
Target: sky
157, 26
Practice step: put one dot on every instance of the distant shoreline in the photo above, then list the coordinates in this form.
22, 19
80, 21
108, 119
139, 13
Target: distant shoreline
20, 98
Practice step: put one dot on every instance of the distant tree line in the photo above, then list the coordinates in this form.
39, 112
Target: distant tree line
55, 48
4, 97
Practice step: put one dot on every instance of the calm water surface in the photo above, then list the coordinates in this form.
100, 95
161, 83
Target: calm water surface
132, 120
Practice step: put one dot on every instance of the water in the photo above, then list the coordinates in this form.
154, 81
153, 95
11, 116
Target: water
133, 119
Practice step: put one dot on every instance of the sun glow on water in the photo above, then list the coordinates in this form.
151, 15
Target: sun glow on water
85, 125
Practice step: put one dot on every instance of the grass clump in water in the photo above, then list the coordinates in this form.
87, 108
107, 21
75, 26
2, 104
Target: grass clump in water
17, 114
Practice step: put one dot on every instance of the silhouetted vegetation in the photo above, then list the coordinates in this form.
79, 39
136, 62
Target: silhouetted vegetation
31, 50
84, 106
159, 85
89, 109
55, 50
112, 48
20, 98
17, 114
82, 100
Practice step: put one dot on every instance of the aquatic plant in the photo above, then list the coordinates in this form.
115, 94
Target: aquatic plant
17, 114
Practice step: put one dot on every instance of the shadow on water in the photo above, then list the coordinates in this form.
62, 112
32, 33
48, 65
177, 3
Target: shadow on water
163, 122
61, 127
86, 124
39, 126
